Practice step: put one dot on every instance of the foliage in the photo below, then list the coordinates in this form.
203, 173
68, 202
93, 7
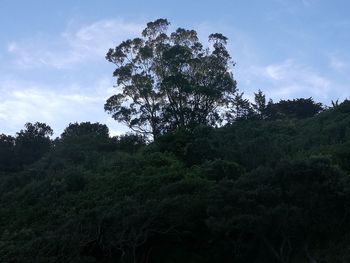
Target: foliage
28, 146
256, 190
170, 81
297, 108
7, 152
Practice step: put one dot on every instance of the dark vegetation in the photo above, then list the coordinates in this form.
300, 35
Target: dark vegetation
223, 180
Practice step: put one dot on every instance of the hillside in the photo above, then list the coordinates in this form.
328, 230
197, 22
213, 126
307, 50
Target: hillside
257, 190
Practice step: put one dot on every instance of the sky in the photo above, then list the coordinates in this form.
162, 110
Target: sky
52, 53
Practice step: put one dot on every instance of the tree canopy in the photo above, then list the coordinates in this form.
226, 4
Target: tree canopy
259, 189
170, 81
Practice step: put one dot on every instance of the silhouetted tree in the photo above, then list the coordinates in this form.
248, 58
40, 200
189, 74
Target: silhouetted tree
7, 152
32, 142
260, 104
80, 141
170, 81
85, 129
296, 108
240, 108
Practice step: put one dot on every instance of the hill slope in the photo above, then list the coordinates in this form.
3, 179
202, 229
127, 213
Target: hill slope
254, 191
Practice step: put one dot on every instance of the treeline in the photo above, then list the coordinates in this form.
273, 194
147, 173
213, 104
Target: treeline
265, 188
32, 143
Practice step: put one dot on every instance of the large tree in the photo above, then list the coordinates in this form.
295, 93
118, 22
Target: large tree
170, 81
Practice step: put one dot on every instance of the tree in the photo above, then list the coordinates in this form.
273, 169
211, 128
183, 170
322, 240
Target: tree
296, 108
260, 103
170, 81
33, 142
335, 103
7, 153
129, 142
83, 141
240, 108
85, 129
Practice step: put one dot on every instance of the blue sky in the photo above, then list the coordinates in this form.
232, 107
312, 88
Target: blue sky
52, 66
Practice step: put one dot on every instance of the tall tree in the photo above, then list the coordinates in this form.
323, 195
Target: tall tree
170, 81
260, 103
240, 108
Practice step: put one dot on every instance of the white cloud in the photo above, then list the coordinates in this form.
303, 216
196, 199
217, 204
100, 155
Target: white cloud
308, 3
291, 79
55, 106
59, 104
74, 98
97, 38
12, 47
72, 46
337, 63
286, 79
276, 72
292, 5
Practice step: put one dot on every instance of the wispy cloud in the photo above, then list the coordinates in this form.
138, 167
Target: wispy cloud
72, 46
337, 63
292, 5
23, 102
308, 3
290, 79
72, 98
79, 100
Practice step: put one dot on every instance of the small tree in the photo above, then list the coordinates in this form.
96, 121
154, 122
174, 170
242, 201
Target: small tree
170, 81
240, 108
260, 103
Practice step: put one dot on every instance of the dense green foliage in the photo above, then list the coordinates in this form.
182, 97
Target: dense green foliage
261, 189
